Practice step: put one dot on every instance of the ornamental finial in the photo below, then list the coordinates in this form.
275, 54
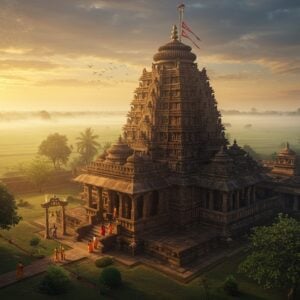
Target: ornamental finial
174, 35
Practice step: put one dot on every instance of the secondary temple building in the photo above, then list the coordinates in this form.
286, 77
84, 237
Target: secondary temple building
172, 183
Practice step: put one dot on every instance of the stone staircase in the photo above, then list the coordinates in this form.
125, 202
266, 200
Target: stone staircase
95, 231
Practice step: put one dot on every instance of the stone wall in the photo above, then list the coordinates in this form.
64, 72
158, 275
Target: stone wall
21, 184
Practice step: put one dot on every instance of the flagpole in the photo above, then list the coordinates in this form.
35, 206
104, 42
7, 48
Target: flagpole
180, 10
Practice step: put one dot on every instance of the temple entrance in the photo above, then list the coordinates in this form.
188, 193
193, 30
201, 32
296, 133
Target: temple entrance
54, 202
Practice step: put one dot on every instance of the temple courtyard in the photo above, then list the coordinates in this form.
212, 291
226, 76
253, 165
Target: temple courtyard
141, 280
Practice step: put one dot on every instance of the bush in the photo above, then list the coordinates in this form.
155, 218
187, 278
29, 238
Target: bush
35, 241
230, 286
103, 262
56, 281
111, 278
22, 203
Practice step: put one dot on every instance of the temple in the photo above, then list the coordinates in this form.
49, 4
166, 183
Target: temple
172, 183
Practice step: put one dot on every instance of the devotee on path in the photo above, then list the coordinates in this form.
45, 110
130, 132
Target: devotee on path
20, 270
95, 241
56, 255
103, 230
90, 247
62, 253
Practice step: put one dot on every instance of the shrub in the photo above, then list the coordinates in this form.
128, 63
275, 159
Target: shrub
22, 203
56, 281
103, 262
35, 241
230, 286
110, 277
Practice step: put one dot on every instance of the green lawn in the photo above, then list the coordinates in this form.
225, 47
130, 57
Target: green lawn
144, 283
25, 231
28, 289
10, 256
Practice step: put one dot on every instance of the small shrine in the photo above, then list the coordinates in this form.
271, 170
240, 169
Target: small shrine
54, 201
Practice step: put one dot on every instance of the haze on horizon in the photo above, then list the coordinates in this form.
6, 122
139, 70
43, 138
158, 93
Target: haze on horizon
51, 49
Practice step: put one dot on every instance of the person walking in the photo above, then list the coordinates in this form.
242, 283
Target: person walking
20, 270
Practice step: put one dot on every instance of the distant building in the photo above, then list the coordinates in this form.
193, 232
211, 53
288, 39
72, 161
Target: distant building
175, 187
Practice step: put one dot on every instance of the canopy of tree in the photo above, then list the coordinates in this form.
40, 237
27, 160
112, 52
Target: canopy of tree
8, 209
274, 259
56, 148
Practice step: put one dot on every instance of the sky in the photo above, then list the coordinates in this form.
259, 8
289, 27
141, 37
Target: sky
89, 54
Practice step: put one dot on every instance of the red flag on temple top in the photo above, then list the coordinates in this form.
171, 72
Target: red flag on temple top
184, 34
187, 28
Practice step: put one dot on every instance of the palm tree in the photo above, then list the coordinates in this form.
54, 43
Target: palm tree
87, 146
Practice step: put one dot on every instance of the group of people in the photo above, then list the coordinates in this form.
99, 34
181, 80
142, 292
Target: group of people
93, 244
59, 254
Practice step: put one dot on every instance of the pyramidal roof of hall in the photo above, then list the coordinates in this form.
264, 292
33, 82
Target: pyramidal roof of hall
174, 50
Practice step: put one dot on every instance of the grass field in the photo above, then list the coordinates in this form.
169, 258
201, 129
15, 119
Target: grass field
20, 139
25, 231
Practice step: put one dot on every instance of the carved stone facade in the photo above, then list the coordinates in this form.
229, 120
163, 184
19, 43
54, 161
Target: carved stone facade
172, 183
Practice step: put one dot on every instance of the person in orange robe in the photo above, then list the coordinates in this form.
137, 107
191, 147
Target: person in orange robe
95, 241
90, 247
103, 230
114, 213
20, 270
62, 253
56, 255
110, 228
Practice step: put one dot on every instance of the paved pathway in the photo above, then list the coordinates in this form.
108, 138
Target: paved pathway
40, 266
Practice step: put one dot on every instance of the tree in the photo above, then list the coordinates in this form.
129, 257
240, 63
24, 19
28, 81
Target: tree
106, 146
251, 152
230, 286
274, 259
87, 146
38, 172
8, 209
55, 147
111, 277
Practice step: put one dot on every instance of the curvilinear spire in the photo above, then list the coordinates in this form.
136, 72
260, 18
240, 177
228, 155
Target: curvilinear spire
174, 116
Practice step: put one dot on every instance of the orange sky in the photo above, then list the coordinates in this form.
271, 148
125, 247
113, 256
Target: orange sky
47, 49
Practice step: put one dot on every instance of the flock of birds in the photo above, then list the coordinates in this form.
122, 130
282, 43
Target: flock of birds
105, 76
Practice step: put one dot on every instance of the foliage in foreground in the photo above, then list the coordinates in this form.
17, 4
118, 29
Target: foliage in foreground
55, 282
103, 262
8, 209
230, 286
274, 259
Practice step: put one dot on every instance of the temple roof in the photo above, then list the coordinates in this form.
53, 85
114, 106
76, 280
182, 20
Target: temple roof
174, 50
131, 187
287, 151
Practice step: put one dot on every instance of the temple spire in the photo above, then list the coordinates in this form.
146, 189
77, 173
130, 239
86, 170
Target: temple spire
174, 35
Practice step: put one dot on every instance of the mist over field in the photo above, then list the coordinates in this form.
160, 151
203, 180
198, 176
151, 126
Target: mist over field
22, 132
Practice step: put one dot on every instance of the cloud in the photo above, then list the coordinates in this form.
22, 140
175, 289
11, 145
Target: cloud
292, 93
7, 64
234, 76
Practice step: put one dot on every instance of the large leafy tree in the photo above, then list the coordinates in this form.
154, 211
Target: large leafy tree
274, 259
8, 209
87, 145
56, 148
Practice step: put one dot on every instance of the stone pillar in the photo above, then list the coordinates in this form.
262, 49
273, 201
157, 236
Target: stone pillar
254, 194
120, 205
64, 230
248, 195
161, 204
237, 199
225, 202
133, 208
146, 206
47, 236
100, 203
89, 196
211, 200
296, 203
110, 206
